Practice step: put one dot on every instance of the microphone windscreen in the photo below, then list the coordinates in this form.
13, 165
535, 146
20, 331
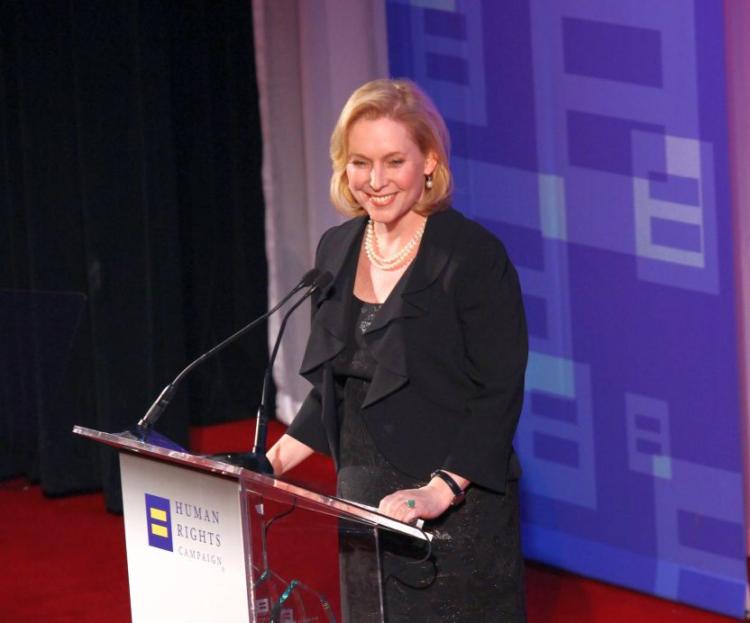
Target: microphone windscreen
309, 277
323, 281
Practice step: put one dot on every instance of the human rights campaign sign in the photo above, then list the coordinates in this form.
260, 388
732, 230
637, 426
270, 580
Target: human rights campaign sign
185, 544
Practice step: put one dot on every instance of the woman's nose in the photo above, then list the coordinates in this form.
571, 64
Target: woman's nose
377, 177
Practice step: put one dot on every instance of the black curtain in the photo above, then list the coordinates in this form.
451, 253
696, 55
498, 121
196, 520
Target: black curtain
132, 225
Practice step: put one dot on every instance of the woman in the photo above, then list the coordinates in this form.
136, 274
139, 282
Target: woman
417, 356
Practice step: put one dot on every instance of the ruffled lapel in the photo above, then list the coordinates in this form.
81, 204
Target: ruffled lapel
328, 333
409, 299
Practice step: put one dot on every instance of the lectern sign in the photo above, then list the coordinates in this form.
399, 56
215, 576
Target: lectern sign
185, 546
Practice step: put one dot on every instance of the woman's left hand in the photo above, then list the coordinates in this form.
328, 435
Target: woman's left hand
408, 505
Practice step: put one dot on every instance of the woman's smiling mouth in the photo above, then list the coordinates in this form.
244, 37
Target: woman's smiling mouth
382, 200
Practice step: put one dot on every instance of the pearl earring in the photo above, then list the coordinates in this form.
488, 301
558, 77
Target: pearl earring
428, 182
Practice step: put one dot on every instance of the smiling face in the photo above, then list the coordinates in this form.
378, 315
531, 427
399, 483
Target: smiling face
385, 168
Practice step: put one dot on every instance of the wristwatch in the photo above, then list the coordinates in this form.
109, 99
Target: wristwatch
458, 493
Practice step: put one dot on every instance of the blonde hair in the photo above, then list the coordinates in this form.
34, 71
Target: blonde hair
403, 101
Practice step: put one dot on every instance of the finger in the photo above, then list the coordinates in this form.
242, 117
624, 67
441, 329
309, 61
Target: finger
386, 504
411, 517
399, 509
396, 506
410, 511
393, 502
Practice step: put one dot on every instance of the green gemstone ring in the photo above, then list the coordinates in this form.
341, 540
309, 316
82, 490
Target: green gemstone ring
411, 503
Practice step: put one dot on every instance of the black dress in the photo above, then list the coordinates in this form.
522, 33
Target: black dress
475, 573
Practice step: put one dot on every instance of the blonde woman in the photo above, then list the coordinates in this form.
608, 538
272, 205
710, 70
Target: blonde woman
417, 357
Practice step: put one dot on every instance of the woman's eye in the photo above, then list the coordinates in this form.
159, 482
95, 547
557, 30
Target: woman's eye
358, 163
396, 162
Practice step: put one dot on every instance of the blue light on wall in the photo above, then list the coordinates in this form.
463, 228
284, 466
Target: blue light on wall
591, 138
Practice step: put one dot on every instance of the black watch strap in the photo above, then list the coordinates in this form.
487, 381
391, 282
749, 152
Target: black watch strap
458, 492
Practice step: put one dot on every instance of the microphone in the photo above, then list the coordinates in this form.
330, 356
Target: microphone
143, 428
256, 460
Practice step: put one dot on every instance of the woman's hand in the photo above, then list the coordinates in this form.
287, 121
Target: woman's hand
287, 453
427, 502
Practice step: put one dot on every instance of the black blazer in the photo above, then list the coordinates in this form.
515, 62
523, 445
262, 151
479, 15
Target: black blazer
450, 344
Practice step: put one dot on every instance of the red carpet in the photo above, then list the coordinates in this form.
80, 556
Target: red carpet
64, 559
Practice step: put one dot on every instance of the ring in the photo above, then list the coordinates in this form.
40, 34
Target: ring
411, 503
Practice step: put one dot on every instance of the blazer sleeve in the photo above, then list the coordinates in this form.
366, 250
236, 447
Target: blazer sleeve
495, 338
307, 425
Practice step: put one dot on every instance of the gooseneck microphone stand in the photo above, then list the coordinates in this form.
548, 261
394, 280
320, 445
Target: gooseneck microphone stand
143, 430
256, 460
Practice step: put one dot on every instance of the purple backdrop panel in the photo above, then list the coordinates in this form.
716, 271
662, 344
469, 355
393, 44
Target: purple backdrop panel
612, 52
591, 138
737, 21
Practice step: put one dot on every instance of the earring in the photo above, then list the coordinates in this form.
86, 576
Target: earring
428, 181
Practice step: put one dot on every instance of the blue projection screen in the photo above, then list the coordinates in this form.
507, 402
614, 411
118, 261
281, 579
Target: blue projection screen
591, 138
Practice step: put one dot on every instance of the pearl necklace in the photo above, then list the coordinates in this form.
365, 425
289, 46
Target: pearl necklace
396, 261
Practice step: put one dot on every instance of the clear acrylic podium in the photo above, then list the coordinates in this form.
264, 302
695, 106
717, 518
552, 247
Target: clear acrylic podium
208, 541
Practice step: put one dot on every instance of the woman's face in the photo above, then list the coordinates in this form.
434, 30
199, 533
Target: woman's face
385, 168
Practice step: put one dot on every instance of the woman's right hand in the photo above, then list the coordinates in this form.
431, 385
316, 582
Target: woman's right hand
287, 453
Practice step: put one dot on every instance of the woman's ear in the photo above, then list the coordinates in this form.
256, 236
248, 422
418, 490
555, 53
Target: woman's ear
430, 163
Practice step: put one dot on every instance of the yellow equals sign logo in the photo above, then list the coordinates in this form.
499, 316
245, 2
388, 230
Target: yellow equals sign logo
159, 515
